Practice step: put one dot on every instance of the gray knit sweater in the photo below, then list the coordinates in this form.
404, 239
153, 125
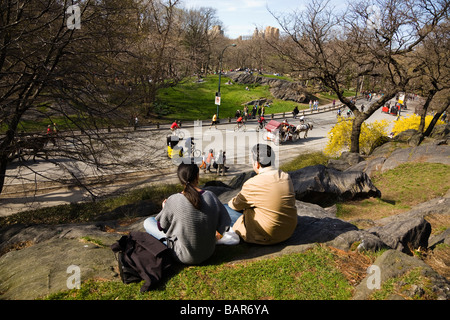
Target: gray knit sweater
191, 232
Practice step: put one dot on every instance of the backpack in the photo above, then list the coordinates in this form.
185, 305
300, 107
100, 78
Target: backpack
140, 257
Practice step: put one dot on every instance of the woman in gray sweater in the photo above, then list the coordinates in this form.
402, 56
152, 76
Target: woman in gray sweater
189, 220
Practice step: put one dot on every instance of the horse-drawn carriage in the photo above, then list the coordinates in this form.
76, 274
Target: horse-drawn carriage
393, 110
283, 131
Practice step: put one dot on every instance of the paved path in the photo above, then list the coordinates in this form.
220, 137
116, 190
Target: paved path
30, 187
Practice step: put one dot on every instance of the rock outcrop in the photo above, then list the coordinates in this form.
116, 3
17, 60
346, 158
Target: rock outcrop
35, 260
280, 89
40, 267
392, 264
388, 157
314, 184
322, 185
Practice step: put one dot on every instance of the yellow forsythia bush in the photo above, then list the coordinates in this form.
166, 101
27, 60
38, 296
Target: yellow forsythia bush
412, 122
339, 136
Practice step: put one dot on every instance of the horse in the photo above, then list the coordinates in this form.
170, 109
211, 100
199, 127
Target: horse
304, 128
30, 146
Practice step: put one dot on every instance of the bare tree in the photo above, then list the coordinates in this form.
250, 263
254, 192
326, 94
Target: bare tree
198, 37
77, 78
433, 66
371, 41
157, 61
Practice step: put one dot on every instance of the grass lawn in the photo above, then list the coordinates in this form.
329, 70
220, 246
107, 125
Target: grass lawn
401, 189
305, 160
193, 100
315, 274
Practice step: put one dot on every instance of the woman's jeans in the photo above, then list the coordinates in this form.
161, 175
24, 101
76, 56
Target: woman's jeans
234, 215
151, 225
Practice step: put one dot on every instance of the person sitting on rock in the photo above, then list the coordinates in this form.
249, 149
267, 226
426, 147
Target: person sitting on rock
264, 211
190, 220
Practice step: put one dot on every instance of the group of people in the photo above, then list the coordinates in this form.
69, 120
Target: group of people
217, 163
251, 114
263, 212
313, 105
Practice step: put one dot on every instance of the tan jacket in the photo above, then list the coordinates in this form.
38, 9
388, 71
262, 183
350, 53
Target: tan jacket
268, 201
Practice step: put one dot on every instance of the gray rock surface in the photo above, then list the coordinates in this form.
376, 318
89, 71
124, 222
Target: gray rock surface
405, 235
43, 268
345, 161
387, 158
392, 264
319, 184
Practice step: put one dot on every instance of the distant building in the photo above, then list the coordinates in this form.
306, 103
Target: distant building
216, 30
272, 32
268, 33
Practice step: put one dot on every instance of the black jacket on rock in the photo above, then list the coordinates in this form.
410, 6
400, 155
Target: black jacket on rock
142, 257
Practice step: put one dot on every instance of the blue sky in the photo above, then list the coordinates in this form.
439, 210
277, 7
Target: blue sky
240, 17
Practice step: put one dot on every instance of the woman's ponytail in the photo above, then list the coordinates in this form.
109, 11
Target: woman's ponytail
188, 174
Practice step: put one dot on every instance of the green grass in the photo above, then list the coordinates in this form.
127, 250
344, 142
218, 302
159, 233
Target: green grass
305, 160
401, 188
88, 211
415, 182
401, 285
300, 276
189, 100
193, 100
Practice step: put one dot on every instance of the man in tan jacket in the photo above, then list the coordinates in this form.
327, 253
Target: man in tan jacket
267, 201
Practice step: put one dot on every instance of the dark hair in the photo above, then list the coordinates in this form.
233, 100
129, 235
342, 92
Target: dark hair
263, 154
188, 173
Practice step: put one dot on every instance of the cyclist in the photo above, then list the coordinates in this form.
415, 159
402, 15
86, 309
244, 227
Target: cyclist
240, 122
261, 122
174, 126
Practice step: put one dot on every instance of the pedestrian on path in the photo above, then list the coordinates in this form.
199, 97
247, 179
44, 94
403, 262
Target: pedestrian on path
209, 161
214, 121
203, 165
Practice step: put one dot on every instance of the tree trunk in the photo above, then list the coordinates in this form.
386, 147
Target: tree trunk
3, 167
356, 132
435, 120
430, 96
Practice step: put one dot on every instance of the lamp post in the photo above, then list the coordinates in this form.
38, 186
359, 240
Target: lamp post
220, 74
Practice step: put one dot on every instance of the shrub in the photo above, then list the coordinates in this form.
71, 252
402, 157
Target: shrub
412, 122
339, 136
